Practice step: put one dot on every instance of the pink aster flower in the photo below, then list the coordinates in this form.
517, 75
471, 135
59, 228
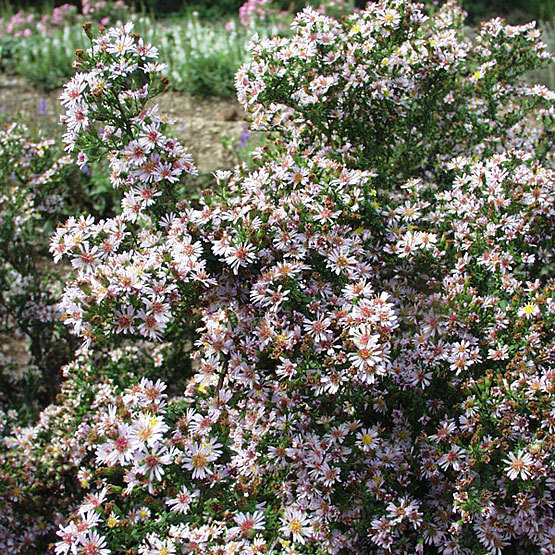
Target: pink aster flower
94, 544
247, 523
453, 458
239, 256
198, 461
152, 462
182, 501
519, 464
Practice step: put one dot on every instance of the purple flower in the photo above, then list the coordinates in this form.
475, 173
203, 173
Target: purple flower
244, 137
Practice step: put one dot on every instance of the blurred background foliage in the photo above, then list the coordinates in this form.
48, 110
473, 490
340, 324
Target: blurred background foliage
515, 11
204, 43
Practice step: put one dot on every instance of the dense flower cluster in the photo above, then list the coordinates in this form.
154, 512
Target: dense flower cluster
424, 90
256, 258
45, 469
476, 344
368, 310
123, 263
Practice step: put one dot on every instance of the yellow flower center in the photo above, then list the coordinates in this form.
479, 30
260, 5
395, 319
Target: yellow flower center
367, 439
295, 526
198, 460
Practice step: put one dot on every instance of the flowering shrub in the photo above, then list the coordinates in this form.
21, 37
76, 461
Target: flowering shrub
33, 197
25, 25
365, 314
253, 11
477, 310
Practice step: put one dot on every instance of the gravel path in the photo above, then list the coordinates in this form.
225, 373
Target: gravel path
200, 123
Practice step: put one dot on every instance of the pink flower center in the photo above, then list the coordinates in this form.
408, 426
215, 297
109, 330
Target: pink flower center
151, 461
121, 444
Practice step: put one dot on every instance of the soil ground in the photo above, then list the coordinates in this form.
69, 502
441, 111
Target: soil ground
200, 123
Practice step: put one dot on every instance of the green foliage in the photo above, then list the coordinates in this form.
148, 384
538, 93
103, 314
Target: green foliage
514, 11
93, 192
46, 61
202, 58
8, 49
246, 148
32, 197
207, 9
211, 74
38, 186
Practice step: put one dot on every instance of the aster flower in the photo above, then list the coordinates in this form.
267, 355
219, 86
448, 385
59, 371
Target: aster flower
519, 465
296, 524
93, 543
528, 311
68, 541
151, 462
247, 524
453, 458
368, 438
197, 461
119, 450
147, 430
317, 328
183, 500
239, 256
